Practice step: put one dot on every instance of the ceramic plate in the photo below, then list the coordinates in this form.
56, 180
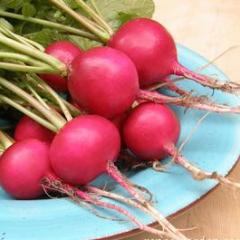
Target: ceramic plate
214, 147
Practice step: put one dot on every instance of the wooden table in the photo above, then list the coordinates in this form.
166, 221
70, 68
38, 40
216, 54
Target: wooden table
208, 27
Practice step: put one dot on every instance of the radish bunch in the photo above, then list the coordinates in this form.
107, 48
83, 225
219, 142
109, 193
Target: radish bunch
73, 145
83, 148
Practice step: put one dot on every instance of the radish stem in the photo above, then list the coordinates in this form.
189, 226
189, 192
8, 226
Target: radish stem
58, 26
57, 65
5, 140
94, 16
56, 97
50, 115
38, 97
23, 68
23, 58
82, 20
28, 113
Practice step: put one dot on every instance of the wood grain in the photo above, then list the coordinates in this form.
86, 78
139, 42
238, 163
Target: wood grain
208, 27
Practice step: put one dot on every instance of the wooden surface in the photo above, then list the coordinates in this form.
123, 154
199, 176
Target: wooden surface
208, 27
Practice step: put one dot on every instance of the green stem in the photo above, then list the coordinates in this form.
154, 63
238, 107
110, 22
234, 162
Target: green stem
5, 140
55, 96
14, 36
2, 149
94, 16
87, 20
34, 44
36, 81
49, 24
60, 67
21, 39
94, 5
23, 68
22, 58
36, 95
50, 115
74, 111
30, 114
82, 20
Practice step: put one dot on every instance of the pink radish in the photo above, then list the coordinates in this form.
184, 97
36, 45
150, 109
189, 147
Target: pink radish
22, 167
103, 81
64, 51
151, 132
139, 131
23, 176
82, 149
28, 128
153, 50
87, 147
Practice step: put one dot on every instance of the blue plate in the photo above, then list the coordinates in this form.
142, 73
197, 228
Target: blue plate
213, 147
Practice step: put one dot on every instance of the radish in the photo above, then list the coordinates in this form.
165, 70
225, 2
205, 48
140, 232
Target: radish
24, 177
155, 57
64, 51
81, 150
151, 132
22, 167
87, 147
107, 101
28, 128
153, 51
103, 81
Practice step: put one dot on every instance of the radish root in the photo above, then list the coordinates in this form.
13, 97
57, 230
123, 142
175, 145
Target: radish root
230, 87
196, 172
75, 194
201, 103
118, 177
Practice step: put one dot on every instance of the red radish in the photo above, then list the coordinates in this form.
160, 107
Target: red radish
153, 50
23, 176
151, 132
81, 150
28, 128
87, 147
103, 81
64, 51
22, 167
139, 131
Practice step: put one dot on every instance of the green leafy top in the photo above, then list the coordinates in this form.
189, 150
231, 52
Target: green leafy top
115, 12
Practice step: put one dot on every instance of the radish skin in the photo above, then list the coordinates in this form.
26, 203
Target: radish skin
64, 51
80, 151
154, 121
28, 128
103, 81
22, 167
155, 56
